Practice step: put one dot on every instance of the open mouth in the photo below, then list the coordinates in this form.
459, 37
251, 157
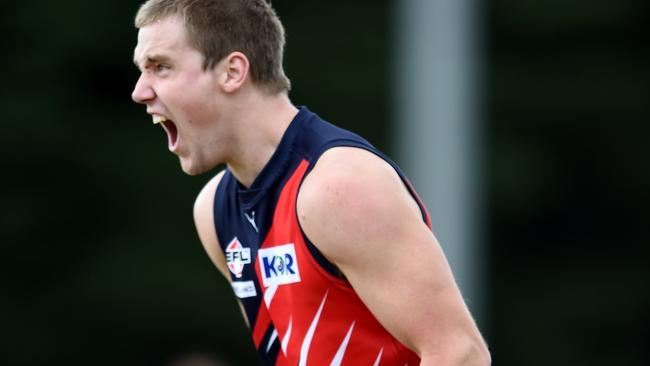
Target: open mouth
170, 128
172, 134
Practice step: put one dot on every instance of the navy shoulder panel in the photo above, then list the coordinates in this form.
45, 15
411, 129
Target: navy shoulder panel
224, 201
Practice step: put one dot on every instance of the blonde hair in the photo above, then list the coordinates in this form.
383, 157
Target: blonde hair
218, 27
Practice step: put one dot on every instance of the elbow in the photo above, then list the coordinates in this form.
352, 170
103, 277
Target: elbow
469, 352
484, 358
475, 353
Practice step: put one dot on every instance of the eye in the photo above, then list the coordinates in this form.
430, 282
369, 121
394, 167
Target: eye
161, 67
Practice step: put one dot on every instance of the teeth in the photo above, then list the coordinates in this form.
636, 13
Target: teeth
158, 119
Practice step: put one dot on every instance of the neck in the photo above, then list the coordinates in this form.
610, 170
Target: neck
261, 124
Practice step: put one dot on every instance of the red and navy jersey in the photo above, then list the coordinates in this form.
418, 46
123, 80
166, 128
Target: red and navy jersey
300, 310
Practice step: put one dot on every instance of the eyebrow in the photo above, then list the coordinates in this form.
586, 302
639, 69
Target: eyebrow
152, 59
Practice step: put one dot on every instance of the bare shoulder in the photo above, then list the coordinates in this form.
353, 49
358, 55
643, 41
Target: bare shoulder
356, 210
205, 198
353, 195
204, 222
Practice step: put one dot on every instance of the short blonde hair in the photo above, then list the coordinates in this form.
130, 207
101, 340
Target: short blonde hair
218, 27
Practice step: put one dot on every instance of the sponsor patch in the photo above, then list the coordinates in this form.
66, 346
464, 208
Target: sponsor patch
279, 265
244, 289
237, 257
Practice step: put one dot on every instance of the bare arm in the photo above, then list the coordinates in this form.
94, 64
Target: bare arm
204, 222
355, 209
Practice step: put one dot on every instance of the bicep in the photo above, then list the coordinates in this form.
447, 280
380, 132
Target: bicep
367, 223
406, 282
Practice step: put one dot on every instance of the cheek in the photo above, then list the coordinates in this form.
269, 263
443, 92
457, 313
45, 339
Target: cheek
198, 109
195, 101
197, 114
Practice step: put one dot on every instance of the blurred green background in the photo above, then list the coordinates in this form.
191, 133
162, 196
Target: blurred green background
101, 264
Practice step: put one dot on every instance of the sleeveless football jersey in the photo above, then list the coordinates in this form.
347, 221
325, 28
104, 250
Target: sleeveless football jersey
301, 311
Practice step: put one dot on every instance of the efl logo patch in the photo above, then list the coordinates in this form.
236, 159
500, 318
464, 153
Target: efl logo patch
237, 257
279, 265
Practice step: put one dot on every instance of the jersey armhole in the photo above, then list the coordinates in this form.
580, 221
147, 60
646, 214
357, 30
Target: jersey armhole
316, 254
217, 206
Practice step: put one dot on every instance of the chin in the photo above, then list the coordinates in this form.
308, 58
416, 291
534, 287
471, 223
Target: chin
192, 171
192, 168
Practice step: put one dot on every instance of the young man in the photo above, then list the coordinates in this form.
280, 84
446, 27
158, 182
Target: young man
323, 239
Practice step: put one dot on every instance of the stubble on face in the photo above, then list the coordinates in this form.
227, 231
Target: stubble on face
184, 92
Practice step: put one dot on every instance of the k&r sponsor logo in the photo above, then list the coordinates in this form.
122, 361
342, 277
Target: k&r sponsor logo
278, 265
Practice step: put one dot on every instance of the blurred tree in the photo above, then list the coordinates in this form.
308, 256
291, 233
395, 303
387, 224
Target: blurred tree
568, 110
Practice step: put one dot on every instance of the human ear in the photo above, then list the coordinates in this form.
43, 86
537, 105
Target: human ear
235, 72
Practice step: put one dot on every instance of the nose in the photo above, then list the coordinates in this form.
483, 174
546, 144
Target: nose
142, 92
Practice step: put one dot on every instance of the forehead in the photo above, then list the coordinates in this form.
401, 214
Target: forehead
166, 36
